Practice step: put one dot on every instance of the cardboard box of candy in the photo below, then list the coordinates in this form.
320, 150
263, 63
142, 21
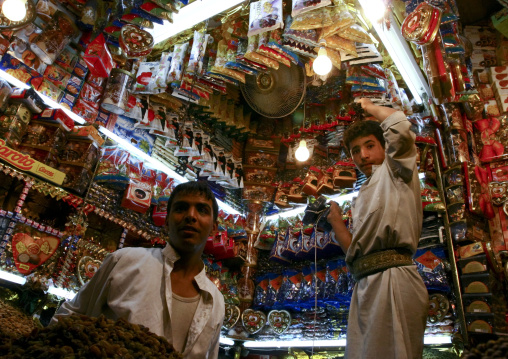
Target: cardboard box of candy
57, 116
19, 70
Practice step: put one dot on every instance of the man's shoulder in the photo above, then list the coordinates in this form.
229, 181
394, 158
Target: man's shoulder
136, 253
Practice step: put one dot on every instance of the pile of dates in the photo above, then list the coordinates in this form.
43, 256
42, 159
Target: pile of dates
79, 336
13, 323
496, 349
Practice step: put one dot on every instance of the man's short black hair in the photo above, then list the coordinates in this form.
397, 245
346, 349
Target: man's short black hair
363, 129
195, 187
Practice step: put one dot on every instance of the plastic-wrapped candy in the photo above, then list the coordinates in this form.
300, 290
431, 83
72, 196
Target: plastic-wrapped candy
261, 291
112, 169
252, 55
197, 52
320, 278
303, 6
307, 288
341, 44
314, 19
432, 265
332, 276
265, 50
340, 19
267, 236
265, 15
176, 67
355, 33
292, 280
274, 285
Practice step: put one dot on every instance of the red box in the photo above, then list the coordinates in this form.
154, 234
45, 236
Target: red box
98, 58
57, 115
85, 111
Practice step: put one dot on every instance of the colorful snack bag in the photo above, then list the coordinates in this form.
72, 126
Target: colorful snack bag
176, 68
197, 52
302, 6
265, 15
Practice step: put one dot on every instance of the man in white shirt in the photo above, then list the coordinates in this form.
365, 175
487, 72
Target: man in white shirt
166, 289
389, 305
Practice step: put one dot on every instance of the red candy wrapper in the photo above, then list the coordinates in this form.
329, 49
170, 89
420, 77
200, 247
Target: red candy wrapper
99, 59
87, 112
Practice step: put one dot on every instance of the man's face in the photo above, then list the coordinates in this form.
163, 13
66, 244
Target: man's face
367, 151
190, 222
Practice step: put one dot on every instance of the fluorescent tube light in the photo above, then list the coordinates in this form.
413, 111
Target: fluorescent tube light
295, 343
438, 339
226, 341
60, 292
9, 277
441, 339
190, 15
12, 80
401, 54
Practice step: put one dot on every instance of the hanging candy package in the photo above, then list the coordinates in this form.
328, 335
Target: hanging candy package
265, 15
176, 67
112, 169
252, 55
302, 6
431, 264
339, 19
197, 54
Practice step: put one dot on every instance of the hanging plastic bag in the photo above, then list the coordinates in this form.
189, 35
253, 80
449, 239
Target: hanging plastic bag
265, 15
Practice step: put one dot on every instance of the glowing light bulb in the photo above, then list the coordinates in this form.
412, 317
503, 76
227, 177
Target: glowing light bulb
374, 9
322, 64
14, 10
302, 153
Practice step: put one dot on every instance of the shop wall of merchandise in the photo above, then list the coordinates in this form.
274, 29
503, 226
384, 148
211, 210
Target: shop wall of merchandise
293, 290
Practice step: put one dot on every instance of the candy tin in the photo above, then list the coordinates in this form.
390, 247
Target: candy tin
116, 93
422, 24
135, 42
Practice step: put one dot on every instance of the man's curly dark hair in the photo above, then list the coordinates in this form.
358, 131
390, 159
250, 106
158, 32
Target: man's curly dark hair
363, 129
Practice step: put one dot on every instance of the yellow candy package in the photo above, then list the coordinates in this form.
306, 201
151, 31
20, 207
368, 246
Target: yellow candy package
355, 33
340, 18
338, 43
314, 19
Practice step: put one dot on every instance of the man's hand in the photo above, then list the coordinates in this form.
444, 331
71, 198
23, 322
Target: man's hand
335, 213
366, 103
379, 112
339, 227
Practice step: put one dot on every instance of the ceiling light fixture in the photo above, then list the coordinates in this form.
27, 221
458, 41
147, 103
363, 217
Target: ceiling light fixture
302, 152
14, 10
322, 65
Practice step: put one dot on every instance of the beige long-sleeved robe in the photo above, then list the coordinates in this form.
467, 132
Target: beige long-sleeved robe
389, 309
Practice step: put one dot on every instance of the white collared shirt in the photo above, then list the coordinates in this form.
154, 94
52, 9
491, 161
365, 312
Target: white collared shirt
134, 284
